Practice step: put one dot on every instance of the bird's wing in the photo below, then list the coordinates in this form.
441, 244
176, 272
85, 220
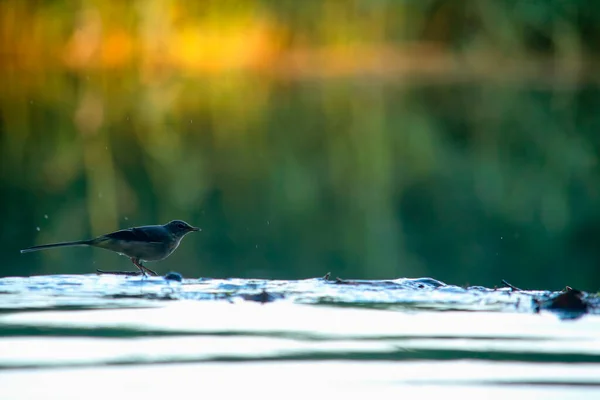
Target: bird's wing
147, 234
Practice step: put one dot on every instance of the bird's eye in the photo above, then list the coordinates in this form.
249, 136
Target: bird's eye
180, 225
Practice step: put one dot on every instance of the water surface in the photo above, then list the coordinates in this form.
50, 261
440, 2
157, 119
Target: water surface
150, 336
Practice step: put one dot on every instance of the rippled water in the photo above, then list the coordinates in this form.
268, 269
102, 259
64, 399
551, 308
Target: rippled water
103, 335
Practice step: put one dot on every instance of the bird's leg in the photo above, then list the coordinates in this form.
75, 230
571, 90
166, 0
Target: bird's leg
142, 268
138, 265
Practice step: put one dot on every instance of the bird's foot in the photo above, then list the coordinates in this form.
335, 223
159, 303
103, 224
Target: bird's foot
143, 269
149, 271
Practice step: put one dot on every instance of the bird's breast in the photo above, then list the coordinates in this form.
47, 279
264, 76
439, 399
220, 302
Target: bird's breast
148, 251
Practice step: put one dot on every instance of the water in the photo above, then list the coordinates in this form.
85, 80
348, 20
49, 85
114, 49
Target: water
64, 334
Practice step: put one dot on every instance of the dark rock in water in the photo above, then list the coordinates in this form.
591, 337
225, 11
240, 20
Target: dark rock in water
571, 300
568, 305
429, 282
263, 297
174, 276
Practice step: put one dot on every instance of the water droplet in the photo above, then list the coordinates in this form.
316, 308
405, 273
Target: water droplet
268, 223
38, 229
126, 219
46, 216
257, 246
190, 121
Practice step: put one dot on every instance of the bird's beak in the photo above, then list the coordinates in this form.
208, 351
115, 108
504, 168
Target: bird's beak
194, 229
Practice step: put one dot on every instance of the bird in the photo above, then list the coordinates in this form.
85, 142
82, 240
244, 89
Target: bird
140, 244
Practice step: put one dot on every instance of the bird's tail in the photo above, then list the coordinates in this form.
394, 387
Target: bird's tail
54, 245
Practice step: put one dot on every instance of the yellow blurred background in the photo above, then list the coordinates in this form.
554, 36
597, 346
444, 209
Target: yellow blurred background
372, 139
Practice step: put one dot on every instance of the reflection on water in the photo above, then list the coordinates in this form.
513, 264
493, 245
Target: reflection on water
82, 291
303, 379
322, 331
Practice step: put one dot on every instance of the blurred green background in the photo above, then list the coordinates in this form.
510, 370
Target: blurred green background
373, 139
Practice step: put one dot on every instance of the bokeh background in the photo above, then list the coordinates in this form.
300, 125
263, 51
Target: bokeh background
370, 139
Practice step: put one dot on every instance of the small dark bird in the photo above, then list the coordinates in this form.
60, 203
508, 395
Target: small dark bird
144, 243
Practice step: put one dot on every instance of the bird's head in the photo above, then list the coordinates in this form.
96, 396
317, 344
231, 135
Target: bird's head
180, 228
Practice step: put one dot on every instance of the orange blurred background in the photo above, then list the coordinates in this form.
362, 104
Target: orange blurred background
371, 139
